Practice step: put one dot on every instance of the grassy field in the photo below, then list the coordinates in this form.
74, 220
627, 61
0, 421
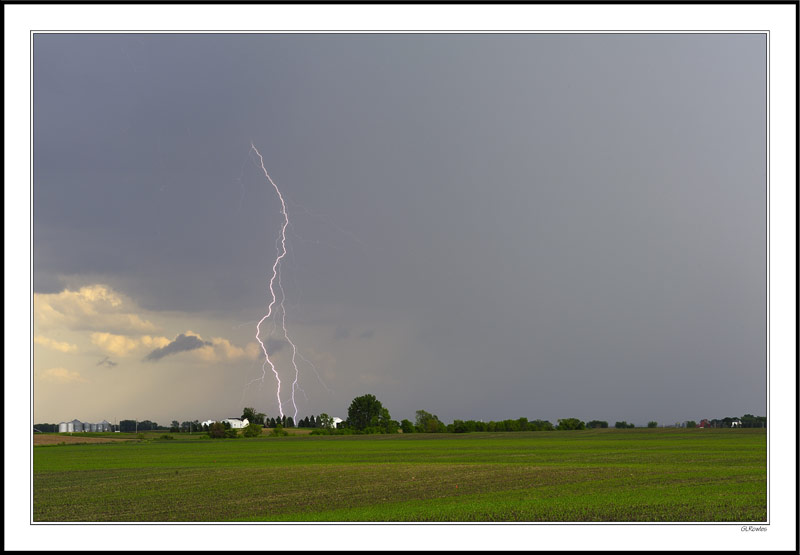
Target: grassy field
667, 475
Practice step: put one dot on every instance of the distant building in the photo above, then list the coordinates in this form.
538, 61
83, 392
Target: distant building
237, 423
336, 421
207, 422
78, 426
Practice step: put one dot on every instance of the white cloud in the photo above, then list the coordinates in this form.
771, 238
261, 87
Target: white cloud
122, 345
93, 307
62, 346
62, 375
223, 350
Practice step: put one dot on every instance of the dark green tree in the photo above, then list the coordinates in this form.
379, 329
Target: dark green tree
407, 426
429, 423
570, 424
364, 412
216, 430
652, 424
325, 421
597, 424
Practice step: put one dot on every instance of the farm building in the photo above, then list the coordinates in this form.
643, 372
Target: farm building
78, 426
235, 423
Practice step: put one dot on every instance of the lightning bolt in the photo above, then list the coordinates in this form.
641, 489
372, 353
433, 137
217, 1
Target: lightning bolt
276, 275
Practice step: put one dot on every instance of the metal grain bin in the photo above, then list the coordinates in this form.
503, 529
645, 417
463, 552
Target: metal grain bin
77, 426
62, 427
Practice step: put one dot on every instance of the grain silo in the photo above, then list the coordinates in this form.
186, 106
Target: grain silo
62, 427
77, 426
105, 425
92, 427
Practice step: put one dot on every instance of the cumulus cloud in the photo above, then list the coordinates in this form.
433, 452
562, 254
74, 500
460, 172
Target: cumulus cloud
122, 345
55, 345
93, 307
62, 375
181, 343
220, 349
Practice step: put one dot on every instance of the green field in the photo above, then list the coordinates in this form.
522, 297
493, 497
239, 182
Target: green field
668, 475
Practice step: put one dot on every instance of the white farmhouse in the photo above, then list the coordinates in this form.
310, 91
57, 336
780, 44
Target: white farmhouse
236, 423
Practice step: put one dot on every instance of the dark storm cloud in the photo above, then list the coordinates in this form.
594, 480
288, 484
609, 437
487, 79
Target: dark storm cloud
274, 345
592, 207
107, 362
180, 344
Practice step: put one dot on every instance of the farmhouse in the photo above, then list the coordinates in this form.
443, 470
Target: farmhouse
235, 423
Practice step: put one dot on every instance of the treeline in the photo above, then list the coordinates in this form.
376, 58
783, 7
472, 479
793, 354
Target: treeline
367, 415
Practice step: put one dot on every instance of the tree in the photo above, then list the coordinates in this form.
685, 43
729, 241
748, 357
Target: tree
249, 413
407, 426
385, 422
652, 424
429, 423
621, 425
216, 430
175, 426
364, 412
325, 421
570, 424
597, 424
691, 424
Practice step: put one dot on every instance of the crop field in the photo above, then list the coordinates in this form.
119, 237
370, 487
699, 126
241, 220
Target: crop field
665, 475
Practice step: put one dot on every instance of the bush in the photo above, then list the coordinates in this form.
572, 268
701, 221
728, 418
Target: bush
216, 430
166, 436
278, 431
652, 424
253, 430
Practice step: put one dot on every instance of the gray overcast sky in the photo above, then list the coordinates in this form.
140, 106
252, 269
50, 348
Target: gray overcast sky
482, 226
